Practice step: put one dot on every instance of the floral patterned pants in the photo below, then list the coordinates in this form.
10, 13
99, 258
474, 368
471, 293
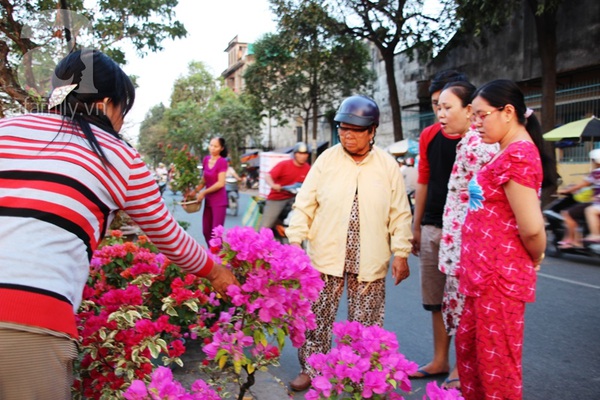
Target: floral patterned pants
366, 304
489, 345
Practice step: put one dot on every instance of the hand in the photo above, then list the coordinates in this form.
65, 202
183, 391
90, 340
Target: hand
200, 196
276, 187
416, 242
400, 269
220, 278
537, 264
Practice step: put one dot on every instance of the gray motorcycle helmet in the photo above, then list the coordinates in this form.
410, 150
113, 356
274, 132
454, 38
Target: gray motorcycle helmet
300, 147
358, 110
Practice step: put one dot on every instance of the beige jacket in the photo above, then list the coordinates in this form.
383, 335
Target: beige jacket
323, 205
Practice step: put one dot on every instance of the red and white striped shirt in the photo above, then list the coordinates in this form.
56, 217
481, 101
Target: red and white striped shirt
57, 200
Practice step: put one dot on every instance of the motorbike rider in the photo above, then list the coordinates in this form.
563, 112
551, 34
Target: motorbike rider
592, 213
573, 237
287, 174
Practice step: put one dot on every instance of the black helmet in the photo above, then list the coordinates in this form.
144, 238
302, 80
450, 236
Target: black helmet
300, 147
359, 111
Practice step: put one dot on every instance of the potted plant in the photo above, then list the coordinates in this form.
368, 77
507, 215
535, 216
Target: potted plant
137, 310
185, 177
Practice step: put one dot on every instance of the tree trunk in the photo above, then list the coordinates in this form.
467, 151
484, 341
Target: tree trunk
388, 59
545, 25
546, 39
9, 83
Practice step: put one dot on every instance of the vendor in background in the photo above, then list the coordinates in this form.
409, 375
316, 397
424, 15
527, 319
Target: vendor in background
290, 172
212, 187
231, 172
409, 173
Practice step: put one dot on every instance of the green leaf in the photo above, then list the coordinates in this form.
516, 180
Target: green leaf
154, 350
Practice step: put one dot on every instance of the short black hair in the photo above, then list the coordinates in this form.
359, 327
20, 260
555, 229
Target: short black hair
444, 77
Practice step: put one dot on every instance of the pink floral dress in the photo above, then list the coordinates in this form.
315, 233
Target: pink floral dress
497, 277
492, 253
471, 155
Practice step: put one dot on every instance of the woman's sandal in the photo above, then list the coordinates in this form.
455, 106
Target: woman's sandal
568, 245
451, 384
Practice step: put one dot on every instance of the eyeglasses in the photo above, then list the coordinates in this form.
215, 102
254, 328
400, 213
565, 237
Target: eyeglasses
483, 115
345, 130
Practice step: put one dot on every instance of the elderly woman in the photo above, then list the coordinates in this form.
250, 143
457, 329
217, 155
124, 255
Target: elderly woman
354, 212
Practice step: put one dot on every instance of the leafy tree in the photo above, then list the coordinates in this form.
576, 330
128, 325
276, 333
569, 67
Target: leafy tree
190, 101
232, 118
153, 134
200, 109
391, 26
271, 55
307, 66
477, 17
34, 35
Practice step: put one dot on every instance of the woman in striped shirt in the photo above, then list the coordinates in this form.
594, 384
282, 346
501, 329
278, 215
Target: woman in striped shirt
64, 175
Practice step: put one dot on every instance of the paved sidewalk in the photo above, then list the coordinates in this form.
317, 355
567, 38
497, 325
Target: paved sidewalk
265, 387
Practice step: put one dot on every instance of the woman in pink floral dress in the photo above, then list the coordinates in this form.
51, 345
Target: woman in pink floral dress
503, 242
454, 113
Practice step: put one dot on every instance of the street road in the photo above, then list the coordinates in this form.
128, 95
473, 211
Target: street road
561, 354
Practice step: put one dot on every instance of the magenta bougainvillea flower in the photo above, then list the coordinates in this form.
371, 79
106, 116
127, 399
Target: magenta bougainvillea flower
365, 363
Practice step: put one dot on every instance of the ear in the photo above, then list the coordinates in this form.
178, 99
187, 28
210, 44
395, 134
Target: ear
510, 110
101, 104
469, 111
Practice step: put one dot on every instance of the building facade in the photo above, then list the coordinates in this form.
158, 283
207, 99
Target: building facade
511, 54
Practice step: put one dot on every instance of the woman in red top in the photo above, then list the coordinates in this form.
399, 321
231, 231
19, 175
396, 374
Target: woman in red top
503, 242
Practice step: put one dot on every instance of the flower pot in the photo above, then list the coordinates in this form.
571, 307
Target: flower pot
191, 206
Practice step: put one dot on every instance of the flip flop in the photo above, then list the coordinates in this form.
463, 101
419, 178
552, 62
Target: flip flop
568, 245
448, 382
426, 374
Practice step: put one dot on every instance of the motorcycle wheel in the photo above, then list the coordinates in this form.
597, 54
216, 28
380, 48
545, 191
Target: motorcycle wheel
552, 248
233, 205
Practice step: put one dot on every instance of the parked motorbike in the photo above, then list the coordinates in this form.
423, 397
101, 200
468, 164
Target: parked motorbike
251, 175
233, 196
555, 230
286, 214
